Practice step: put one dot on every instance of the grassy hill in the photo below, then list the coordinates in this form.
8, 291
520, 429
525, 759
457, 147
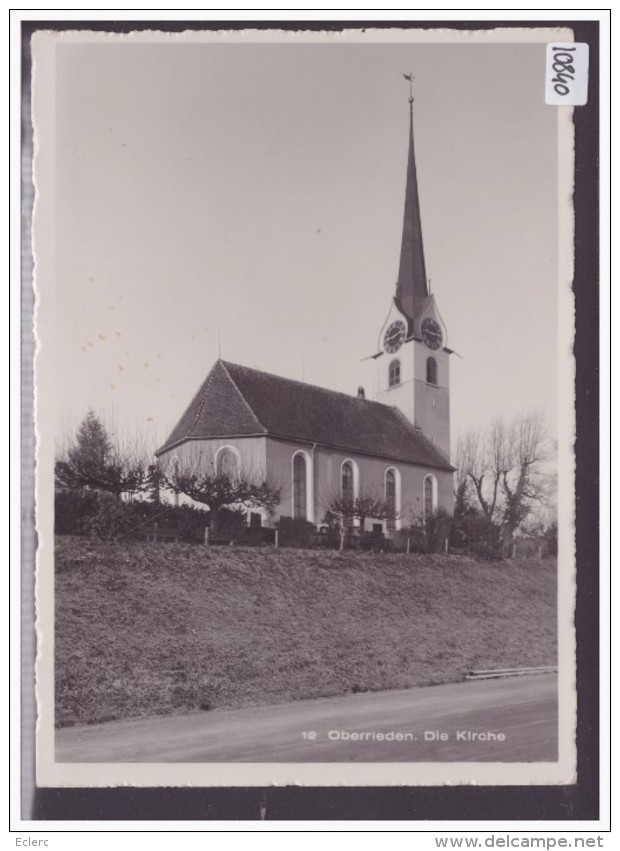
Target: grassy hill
158, 628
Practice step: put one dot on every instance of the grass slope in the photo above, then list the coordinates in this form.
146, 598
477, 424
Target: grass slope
149, 628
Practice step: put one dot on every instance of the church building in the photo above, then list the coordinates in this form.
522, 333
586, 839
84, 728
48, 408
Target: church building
317, 444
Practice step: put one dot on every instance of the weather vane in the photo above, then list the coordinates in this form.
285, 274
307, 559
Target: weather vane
411, 78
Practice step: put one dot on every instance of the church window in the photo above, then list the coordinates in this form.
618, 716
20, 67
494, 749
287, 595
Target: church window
347, 482
300, 511
227, 462
394, 373
430, 496
392, 498
431, 371
348, 489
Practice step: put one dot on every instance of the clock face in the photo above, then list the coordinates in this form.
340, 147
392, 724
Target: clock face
394, 336
431, 333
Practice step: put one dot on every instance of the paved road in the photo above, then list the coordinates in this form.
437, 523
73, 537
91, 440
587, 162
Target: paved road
435, 724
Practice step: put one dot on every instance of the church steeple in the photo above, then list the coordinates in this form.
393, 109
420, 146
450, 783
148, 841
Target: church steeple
413, 371
412, 283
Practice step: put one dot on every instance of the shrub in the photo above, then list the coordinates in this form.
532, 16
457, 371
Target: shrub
437, 529
373, 542
72, 509
415, 534
110, 519
474, 533
232, 521
101, 515
330, 538
189, 521
294, 532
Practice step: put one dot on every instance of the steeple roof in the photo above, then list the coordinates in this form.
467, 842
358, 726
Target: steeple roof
412, 286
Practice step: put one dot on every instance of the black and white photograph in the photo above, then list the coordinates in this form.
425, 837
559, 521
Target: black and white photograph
304, 393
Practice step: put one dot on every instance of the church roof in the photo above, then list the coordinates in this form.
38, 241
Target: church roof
412, 286
236, 401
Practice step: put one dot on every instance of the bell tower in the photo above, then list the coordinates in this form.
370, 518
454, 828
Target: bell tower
412, 361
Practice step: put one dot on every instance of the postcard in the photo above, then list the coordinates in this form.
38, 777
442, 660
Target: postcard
305, 407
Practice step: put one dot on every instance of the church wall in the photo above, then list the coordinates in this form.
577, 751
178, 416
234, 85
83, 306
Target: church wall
372, 481
401, 395
445, 489
443, 365
279, 455
326, 465
273, 457
426, 405
196, 452
432, 405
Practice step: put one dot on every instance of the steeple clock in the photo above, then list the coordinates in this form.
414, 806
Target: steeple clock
413, 358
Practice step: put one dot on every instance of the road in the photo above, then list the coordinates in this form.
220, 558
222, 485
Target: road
434, 724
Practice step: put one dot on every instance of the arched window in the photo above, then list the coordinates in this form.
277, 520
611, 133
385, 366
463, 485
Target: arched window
300, 508
431, 371
430, 496
392, 497
227, 462
348, 492
394, 373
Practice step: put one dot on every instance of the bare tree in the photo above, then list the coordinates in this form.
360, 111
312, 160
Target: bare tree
366, 505
480, 460
503, 465
96, 460
522, 483
155, 481
218, 487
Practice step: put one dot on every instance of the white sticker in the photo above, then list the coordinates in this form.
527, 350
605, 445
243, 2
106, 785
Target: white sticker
566, 83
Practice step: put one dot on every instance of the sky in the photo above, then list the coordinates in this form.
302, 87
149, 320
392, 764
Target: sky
247, 200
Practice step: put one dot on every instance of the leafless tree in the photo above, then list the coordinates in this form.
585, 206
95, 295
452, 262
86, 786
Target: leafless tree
504, 466
366, 505
95, 459
220, 487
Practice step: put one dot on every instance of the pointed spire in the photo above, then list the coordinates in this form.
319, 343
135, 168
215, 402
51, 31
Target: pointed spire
412, 283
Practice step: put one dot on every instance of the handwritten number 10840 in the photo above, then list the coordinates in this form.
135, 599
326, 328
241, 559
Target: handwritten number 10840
563, 68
